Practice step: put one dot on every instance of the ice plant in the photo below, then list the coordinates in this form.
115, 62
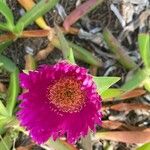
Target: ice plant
60, 100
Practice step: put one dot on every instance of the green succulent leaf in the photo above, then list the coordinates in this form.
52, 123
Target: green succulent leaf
13, 91
84, 55
4, 45
3, 1
7, 13
38, 10
136, 81
80, 53
3, 110
103, 83
147, 84
111, 93
3, 121
144, 47
145, 146
118, 50
4, 26
6, 142
66, 49
7, 63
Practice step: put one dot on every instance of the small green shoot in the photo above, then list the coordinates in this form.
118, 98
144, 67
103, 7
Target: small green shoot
144, 47
111, 93
103, 83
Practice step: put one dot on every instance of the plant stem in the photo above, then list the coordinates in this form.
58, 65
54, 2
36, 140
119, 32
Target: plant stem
118, 50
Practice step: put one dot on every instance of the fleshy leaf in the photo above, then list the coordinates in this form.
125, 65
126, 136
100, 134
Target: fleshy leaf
4, 45
79, 53
3, 121
28, 4
38, 10
13, 91
7, 13
144, 47
7, 63
6, 142
147, 84
144, 147
111, 93
103, 83
4, 26
66, 49
83, 54
119, 94
136, 81
118, 50
3, 110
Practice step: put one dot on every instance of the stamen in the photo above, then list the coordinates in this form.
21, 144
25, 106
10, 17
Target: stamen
66, 95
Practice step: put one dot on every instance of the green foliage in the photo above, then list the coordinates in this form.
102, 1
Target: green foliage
79, 53
66, 49
4, 45
4, 1
38, 10
3, 110
3, 121
118, 50
103, 83
140, 77
147, 80
144, 147
7, 64
6, 142
111, 93
136, 81
144, 47
6, 113
13, 84
7, 13
13, 91
84, 55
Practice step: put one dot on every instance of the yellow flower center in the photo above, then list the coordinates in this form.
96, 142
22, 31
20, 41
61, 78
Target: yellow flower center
66, 95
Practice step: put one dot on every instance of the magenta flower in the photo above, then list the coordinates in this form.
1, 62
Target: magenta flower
60, 100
